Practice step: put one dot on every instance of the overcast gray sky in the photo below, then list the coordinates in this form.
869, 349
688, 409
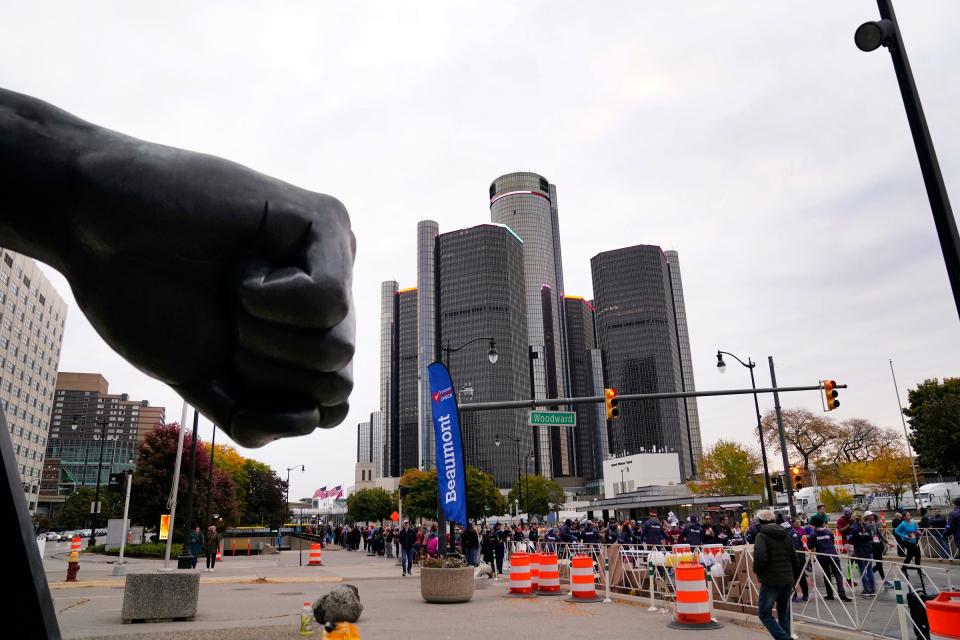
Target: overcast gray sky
752, 137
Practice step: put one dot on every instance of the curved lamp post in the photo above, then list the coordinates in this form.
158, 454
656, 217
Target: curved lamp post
750, 364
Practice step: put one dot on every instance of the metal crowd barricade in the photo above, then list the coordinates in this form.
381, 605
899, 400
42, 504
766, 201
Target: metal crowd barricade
647, 572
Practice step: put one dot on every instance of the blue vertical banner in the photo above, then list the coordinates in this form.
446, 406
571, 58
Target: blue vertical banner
451, 473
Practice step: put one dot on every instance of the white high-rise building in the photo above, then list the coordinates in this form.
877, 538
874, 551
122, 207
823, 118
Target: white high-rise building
32, 318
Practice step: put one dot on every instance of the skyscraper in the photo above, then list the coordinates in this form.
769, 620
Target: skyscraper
32, 317
480, 294
526, 202
388, 302
581, 343
638, 333
427, 231
686, 360
406, 438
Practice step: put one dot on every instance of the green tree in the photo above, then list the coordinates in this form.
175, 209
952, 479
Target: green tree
76, 508
264, 501
369, 505
421, 502
934, 416
540, 495
154, 475
483, 497
729, 469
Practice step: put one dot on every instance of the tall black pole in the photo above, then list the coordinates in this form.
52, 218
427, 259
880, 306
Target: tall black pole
96, 498
783, 438
763, 447
213, 440
943, 218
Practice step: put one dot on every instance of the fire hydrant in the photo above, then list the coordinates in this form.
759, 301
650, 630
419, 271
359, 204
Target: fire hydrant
73, 566
340, 631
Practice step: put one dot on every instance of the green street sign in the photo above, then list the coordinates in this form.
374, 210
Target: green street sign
552, 419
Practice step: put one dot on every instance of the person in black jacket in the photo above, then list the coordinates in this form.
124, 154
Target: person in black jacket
407, 537
471, 545
775, 563
821, 542
693, 533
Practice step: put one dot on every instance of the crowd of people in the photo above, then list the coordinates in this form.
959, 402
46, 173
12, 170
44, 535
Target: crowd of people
861, 535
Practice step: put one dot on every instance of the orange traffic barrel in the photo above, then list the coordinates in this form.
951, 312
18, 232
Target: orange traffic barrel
694, 609
75, 544
316, 555
943, 613
581, 580
549, 580
520, 576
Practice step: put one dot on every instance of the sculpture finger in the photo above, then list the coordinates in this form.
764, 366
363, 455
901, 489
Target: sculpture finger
318, 350
265, 375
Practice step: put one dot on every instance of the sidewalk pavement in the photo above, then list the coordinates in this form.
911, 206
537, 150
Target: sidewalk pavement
261, 598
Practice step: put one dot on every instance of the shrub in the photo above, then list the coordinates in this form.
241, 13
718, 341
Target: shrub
146, 550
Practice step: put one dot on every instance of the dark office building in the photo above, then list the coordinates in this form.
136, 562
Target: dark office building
581, 339
403, 431
637, 331
480, 293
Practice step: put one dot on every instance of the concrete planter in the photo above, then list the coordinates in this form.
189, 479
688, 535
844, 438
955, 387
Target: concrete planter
444, 586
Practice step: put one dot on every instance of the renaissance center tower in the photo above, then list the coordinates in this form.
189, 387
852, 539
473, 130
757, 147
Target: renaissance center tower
527, 203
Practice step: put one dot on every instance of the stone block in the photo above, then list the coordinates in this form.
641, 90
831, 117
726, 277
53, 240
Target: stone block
153, 597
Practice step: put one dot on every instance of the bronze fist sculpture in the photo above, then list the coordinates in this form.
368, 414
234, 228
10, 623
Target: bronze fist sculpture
231, 286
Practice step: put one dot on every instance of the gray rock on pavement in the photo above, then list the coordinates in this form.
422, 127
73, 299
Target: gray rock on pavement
341, 604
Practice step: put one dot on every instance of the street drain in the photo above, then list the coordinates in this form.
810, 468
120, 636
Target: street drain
244, 588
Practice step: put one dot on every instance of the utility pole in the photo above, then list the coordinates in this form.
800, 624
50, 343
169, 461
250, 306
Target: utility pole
783, 438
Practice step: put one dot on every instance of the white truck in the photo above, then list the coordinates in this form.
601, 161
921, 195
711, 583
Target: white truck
939, 494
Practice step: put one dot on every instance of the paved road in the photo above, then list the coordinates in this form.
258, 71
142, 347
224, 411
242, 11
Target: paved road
261, 598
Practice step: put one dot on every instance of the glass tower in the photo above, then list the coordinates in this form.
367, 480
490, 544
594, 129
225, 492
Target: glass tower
427, 231
581, 341
388, 293
480, 293
637, 331
526, 202
407, 378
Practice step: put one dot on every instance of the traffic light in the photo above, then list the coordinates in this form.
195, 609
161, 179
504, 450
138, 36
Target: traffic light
830, 394
797, 482
610, 398
778, 484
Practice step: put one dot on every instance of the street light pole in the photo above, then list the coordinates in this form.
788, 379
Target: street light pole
886, 32
492, 355
96, 498
750, 364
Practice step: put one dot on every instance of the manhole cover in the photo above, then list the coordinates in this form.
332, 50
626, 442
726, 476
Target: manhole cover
290, 593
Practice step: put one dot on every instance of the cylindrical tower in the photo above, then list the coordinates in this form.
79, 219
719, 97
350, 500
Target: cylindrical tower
427, 231
522, 201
